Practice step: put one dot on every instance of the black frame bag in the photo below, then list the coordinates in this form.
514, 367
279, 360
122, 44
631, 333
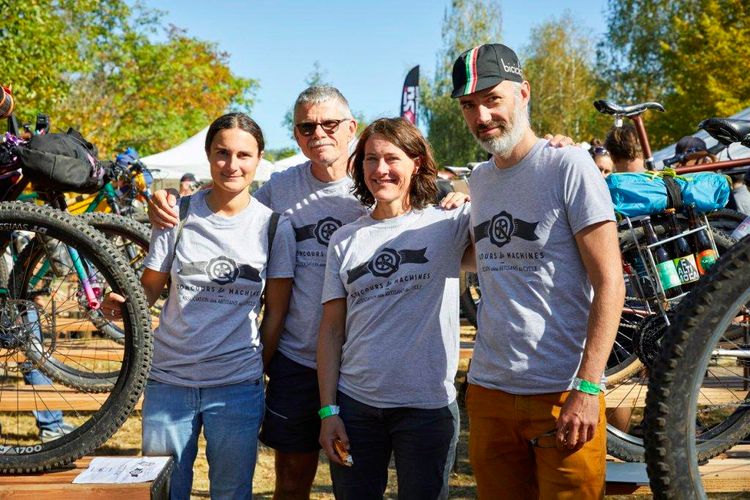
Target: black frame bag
62, 162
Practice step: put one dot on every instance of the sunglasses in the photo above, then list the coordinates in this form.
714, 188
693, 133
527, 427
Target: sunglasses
307, 129
546, 440
599, 151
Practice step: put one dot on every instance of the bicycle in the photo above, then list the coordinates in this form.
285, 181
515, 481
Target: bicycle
712, 425
48, 322
702, 374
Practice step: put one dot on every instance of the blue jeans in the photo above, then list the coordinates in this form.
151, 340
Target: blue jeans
423, 442
45, 419
230, 416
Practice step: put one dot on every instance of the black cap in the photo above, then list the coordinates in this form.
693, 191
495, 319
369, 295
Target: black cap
689, 144
187, 178
483, 67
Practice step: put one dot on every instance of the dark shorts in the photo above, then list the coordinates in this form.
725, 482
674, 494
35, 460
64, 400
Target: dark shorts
291, 423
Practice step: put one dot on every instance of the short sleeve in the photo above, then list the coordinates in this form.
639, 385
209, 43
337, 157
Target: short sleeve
462, 218
263, 194
333, 287
283, 252
586, 195
161, 250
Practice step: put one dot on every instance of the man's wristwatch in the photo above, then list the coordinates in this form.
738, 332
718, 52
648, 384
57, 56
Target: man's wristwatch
586, 387
329, 411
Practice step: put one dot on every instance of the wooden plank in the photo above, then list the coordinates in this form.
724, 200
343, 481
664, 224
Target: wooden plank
634, 395
466, 350
58, 485
50, 397
85, 351
728, 475
84, 325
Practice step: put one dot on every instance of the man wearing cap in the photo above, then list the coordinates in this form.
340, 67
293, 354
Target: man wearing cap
552, 288
693, 151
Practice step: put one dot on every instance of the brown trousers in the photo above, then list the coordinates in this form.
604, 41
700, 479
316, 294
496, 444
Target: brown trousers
506, 465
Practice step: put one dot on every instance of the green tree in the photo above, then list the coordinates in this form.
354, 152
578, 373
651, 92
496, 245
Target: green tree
558, 63
37, 51
92, 64
466, 23
687, 54
277, 154
315, 77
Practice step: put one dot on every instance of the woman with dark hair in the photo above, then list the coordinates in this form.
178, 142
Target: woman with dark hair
207, 369
389, 336
601, 157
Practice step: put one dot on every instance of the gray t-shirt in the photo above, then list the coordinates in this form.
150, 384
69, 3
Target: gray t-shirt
535, 291
400, 280
742, 199
208, 332
316, 210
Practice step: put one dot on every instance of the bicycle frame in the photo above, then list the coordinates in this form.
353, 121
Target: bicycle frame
56, 200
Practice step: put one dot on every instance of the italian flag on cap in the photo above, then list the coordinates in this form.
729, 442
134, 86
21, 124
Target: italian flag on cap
471, 70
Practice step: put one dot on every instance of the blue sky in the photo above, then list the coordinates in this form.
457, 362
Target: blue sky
364, 48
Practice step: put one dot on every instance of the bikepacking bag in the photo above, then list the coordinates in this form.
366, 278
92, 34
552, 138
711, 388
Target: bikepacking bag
647, 193
62, 162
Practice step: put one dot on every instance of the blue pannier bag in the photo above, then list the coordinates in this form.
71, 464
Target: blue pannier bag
646, 193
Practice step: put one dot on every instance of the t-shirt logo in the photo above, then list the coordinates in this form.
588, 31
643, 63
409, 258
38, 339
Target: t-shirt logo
321, 231
221, 270
502, 227
386, 262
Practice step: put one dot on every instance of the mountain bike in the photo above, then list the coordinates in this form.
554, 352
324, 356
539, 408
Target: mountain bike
698, 400
712, 422
50, 322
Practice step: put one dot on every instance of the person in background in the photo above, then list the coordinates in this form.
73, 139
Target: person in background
601, 157
740, 199
693, 151
188, 185
624, 149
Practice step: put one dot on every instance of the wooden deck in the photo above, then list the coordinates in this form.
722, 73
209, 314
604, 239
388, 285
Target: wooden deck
50, 397
728, 473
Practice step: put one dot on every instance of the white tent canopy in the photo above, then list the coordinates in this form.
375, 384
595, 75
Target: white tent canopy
734, 151
190, 157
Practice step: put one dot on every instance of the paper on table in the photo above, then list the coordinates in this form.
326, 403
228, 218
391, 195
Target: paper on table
122, 470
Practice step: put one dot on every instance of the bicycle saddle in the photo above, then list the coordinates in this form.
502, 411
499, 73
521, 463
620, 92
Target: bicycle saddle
609, 108
726, 130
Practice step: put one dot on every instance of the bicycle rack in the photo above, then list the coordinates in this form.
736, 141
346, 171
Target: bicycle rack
645, 253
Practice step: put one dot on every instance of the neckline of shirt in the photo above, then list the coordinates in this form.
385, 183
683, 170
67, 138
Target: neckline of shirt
204, 211
317, 182
393, 221
509, 171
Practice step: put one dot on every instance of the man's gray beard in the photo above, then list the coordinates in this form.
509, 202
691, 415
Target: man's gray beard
503, 145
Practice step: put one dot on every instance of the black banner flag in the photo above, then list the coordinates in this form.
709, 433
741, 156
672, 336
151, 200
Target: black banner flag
410, 95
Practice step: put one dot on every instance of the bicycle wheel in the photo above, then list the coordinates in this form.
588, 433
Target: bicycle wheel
43, 326
697, 405
637, 346
42, 263
725, 219
470, 296
132, 239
